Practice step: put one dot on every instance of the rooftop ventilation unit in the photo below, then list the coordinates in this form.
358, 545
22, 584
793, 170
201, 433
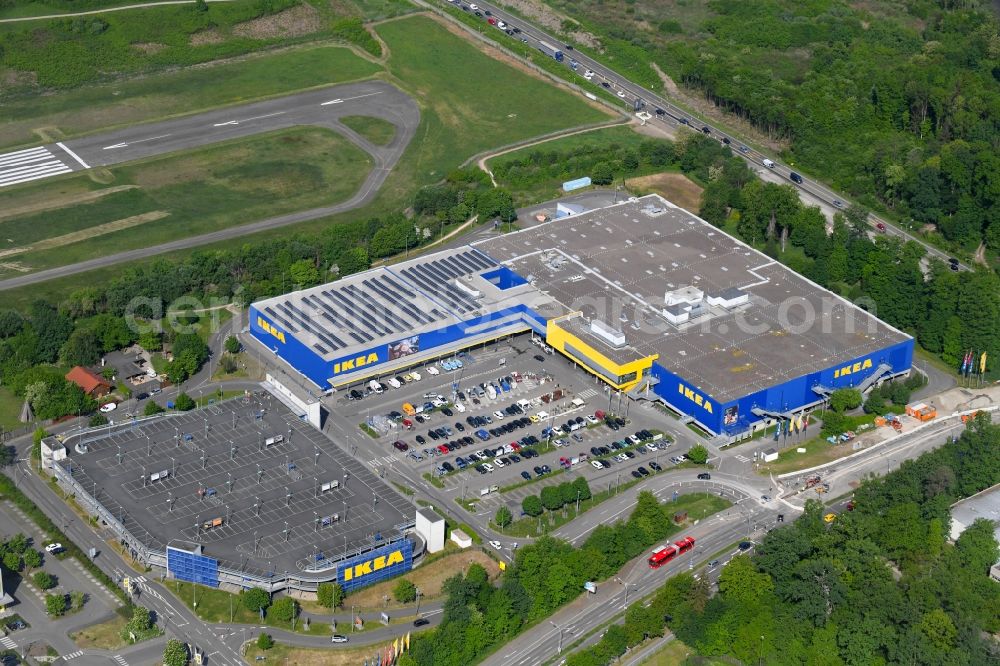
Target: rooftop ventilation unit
467, 288
612, 336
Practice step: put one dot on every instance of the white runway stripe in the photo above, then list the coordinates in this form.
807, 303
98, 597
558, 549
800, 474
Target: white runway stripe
22, 166
54, 171
42, 154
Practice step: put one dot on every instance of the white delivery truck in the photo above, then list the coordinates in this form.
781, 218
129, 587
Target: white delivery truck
768, 163
375, 387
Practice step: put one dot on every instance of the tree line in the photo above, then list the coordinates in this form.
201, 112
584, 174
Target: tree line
38, 346
878, 585
545, 575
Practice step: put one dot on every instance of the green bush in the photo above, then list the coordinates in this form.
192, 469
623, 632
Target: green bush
255, 599
265, 642
152, 408
55, 604
404, 591
329, 595
184, 403
283, 609
698, 454
43, 580
353, 30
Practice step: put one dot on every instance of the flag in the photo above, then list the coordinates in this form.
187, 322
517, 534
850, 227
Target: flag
395, 646
407, 640
965, 362
777, 431
982, 364
805, 424
378, 659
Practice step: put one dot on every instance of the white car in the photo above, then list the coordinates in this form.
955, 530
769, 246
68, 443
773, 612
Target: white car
459, 407
591, 419
54, 548
337, 638
431, 370
501, 25
597, 464
621, 93
495, 544
488, 467
415, 376
110, 407
589, 74
473, 7
393, 382
498, 415
498, 462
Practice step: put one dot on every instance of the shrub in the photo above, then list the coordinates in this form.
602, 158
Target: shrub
184, 403
43, 580
175, 653
152, 408
405, 591
98, 420
255, 599
532, 506
698, 454
32, 558
55, 604
503, 517
265, 642
283, 609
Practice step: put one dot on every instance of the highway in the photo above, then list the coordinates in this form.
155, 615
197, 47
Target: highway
635, 96
320, 108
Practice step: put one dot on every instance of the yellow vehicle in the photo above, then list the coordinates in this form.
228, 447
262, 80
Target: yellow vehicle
830, 517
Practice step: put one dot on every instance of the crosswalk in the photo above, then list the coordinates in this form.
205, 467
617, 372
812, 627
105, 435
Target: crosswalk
8, 642
30, 164
72, 655
120, 659
742, 458
586, 393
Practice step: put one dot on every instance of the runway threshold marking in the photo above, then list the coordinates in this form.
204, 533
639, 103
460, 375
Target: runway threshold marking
124, 144
348, 99
246, 120
72, 154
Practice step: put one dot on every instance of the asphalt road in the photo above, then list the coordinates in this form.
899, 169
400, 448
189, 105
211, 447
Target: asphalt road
319, 108
634, 97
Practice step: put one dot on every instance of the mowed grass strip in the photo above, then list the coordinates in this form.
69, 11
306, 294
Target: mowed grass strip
469, 101
202, 190
376, 130
10, 409
91, 108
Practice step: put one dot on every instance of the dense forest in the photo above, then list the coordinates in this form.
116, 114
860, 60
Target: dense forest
897, 103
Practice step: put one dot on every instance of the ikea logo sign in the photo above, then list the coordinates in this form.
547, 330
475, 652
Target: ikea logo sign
695, 397
355, 363
852, 369
368, 567
267, 327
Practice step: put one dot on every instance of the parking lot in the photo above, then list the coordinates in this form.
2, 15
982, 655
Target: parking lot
527, 409
255, 485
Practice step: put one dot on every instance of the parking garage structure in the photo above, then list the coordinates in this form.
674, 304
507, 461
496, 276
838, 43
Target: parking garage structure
240, 492
649, 298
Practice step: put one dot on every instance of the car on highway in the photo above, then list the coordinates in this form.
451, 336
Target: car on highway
621, 93
953, 263
713, 564
473, 7
54, 548
706, 130
745, 545
726, 140
660, 112
495, 544
794, 177
338, 638
605, 84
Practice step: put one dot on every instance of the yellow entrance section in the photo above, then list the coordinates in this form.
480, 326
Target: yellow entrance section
623, 376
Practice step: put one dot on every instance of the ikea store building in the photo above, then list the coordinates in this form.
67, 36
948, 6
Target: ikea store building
642, 294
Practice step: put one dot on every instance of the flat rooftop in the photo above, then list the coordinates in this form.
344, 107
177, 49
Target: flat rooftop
629, 265
391, 304
284, 480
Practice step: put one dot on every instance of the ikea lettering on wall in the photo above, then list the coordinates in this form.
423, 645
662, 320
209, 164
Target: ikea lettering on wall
354, 363
266, 325
373, 565
696, 398
853, 368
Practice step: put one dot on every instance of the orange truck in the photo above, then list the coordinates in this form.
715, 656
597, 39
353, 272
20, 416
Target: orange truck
921, 411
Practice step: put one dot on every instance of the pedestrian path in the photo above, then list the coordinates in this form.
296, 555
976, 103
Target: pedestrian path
120, 659
8, 642
30, 164
72, 655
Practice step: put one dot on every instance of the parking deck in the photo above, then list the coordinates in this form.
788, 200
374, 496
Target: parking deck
258, 488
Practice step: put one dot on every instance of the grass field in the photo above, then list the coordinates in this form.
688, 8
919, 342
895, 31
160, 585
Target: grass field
459, 117
298, 656
674, 653
376, 130
88, 109
10, 409
185, 194
103, 636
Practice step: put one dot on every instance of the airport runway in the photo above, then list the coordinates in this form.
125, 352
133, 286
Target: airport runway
319, 108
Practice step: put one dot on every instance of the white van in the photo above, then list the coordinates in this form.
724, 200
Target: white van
460, 408
768, 163
375, 387
393, 382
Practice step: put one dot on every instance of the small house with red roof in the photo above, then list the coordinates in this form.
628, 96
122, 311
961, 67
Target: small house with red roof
92, 384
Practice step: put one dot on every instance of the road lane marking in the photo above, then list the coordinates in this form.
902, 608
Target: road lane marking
125, 144
246, 120
72, 154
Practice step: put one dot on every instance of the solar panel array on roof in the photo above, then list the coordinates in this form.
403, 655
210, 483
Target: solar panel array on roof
436, 277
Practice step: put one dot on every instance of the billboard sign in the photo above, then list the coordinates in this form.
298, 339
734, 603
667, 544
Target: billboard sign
404, 347
192, 567
731, 415
375, 566
576, 184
